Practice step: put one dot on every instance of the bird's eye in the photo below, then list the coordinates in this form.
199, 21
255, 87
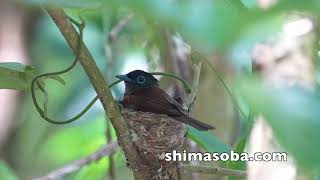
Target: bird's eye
141, 79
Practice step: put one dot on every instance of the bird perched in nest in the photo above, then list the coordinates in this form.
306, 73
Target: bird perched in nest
142, 93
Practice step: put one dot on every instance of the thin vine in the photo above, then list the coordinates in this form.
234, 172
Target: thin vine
36, 80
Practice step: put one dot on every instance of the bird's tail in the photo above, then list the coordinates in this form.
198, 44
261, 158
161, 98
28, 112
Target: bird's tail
201, 126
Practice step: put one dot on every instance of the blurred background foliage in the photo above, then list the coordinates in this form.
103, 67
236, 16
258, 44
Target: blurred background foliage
224, 30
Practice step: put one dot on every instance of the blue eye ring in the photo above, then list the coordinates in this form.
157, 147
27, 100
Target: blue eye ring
141, 79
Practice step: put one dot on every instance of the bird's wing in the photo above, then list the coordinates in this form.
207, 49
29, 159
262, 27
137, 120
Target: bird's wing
160, 103
175, 104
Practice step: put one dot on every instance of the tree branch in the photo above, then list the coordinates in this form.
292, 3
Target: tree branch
95, 76
214, 170
78, 164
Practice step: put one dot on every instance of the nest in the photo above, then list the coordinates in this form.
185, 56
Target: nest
154, 135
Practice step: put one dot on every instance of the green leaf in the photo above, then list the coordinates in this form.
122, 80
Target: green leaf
240, 146
15, 76
208, 141
6, 172
239, 165
294, 116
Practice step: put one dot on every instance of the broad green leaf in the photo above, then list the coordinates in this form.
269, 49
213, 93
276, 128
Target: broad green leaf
6, 172
16, 76
208, 141
294, 116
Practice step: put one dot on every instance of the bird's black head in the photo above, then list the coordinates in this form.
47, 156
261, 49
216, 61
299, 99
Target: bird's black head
138, 79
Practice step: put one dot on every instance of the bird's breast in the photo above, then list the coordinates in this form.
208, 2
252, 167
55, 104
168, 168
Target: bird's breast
129, 99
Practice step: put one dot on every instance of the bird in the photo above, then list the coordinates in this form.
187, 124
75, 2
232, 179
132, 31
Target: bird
142, 93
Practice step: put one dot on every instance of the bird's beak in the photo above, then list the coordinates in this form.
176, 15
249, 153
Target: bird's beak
124, 78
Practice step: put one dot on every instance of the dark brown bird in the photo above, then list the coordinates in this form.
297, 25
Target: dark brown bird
142, 93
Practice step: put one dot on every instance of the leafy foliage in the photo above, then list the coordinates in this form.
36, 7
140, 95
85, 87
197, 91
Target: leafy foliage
208, 141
